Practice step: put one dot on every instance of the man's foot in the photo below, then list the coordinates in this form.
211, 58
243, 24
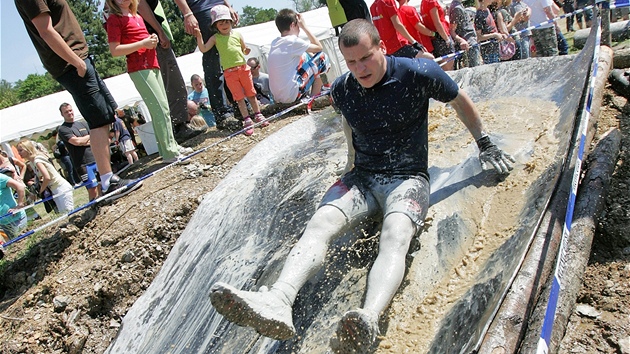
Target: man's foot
183, 132
263, 311
227, 121
356, 332
116, 184
248, 125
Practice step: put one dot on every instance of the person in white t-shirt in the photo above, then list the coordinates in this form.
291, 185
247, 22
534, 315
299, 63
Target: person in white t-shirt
295, 65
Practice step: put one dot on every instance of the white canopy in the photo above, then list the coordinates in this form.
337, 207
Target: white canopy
41, 115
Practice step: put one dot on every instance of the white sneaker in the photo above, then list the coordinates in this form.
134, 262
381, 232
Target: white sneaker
179, 159
356, 332
185, 150
263, 311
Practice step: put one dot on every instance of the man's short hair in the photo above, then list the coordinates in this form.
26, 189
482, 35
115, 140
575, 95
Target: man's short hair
351, 33
255, 60
195, 77
284, 19
63, 105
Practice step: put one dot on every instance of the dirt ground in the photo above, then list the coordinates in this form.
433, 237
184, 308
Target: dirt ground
68, 292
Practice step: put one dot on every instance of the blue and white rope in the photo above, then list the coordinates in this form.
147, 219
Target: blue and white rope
305, 101
560, 267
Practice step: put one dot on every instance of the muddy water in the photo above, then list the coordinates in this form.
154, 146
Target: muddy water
478, 227
490, 212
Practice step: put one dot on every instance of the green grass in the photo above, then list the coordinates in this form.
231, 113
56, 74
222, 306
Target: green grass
80, 198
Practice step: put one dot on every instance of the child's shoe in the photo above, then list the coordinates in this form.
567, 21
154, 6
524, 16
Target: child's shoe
260, 118
247, 124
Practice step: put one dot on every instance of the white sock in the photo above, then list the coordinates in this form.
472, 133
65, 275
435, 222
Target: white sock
105, 181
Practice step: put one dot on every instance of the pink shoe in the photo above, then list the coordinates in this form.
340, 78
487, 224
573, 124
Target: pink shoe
247, 123
260, 118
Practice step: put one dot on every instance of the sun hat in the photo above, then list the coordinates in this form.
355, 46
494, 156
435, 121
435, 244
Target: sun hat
220, 12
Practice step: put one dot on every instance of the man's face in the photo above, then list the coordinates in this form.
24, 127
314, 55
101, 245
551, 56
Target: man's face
68, 114
197, 84
366, 61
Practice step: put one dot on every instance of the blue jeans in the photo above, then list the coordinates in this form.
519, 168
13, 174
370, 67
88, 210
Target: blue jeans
212, 68
490, 58
522, 48
73, 178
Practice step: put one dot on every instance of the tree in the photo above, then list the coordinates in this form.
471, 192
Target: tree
91, 20
35, 86
307, 5
182, 43
8, 94
253, 15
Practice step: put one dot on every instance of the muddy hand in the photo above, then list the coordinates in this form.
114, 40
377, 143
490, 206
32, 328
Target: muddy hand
490, 153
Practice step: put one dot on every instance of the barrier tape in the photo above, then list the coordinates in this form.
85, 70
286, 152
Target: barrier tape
305, 101
560, 267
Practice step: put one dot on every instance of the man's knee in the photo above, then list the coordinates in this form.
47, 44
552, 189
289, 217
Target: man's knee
397, 232
327, 218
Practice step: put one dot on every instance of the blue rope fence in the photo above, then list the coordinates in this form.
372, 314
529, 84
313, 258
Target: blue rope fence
303, 102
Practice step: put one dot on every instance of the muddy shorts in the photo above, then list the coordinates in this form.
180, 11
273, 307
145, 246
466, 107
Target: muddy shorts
361, 195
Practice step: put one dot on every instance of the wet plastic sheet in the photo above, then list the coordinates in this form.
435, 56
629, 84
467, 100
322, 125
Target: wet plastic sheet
245, 227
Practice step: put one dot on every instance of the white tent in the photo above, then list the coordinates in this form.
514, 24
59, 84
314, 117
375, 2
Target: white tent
41, 115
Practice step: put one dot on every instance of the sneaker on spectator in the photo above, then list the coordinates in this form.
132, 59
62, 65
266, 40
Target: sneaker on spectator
116, 184
247, 124
260, 118
179, 159
185, 150
183, 132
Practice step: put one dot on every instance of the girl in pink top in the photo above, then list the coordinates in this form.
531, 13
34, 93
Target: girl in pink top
127, 35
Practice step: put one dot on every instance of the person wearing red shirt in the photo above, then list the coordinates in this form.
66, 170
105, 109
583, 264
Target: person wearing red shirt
398, 41
411, 20
127, 35
433, 17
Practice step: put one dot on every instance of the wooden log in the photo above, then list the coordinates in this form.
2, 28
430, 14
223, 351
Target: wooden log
590, 203
622, 58
618, 33
534, 325
510, 324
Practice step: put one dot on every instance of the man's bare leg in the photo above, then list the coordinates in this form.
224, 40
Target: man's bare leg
270, 313
99, 141
316, 89
358, 329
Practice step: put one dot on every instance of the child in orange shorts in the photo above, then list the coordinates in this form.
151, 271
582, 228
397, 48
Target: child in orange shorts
237, 74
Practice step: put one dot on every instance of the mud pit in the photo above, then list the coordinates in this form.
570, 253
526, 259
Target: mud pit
491, 212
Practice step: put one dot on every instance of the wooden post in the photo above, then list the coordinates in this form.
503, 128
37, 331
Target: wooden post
605, 16
532, 335
510, 324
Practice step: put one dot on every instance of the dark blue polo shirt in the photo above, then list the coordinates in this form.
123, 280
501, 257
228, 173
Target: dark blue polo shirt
389, 120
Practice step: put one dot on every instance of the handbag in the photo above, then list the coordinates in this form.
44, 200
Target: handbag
506, 50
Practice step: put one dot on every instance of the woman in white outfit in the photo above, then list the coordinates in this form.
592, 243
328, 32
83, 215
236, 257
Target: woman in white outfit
48, 176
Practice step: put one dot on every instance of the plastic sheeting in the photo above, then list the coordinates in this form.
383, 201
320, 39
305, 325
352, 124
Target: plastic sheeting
243, 230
